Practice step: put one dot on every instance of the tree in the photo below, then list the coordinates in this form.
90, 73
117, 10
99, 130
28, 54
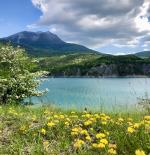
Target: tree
17, 81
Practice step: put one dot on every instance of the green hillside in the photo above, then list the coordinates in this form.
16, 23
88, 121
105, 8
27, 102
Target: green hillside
83, 64
144, 54
92, 64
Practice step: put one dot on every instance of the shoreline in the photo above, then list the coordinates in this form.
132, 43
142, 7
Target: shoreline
127, 76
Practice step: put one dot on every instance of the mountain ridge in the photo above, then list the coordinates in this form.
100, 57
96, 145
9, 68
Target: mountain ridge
143, 54
44, 43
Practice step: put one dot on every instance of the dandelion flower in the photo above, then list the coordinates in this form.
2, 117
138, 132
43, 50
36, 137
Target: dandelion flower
78, 143
94, 145
88, 138
104, 122
50, 124
120, 119
87, 123
130, 129
147, 117
139, 152
136, 125
43, 131
100, 135
84, 132
76, 129
67, 123
104, 141
100, 145
112, 151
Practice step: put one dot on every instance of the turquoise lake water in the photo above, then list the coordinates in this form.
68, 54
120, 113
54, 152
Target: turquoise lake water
93, 93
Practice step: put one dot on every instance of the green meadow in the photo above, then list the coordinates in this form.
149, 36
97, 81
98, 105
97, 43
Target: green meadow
47, 130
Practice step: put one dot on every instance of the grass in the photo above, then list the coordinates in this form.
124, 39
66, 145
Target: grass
47, 131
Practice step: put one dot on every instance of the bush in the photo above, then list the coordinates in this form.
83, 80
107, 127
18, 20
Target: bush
17, 81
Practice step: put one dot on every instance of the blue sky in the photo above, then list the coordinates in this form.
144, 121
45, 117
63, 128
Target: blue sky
110, 26
15, 15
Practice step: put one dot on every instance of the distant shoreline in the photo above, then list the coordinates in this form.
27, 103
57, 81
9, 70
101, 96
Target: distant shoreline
127, 76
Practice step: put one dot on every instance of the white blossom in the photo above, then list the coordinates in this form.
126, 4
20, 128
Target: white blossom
16, 78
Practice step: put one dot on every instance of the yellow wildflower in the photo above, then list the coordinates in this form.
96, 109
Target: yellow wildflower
104, 141
97, 116
139, 152
136, 125
147, 117
84, 132
104, 122
68, 119
76, 129
88, 115
94, 145
74, 116
62, 116
100, 135
43, 131
120, 119
147, 122
78, 143
93, 119
102, 114
112, 151
100, 145
55, 116
88, 138
74, 133
67, 123
56, 121
130, 123
87, 123
130, 129
50, 124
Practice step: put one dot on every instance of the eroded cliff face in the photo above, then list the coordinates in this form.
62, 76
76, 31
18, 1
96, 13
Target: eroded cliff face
104, 70
120, 70
107, 70
146, 69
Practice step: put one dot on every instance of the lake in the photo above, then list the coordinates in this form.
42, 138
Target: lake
93, 93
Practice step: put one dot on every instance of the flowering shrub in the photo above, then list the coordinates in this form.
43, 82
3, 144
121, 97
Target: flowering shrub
17, 81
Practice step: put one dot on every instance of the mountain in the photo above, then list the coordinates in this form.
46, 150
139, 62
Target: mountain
44, 43
144, 54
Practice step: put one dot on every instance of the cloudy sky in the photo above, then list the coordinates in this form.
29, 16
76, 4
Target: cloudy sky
110, 26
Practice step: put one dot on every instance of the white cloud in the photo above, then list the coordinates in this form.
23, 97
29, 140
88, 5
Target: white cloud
121, 53
32, 26
96, 23
146, 49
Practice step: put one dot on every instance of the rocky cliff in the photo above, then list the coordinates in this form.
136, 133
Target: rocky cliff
106, 70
